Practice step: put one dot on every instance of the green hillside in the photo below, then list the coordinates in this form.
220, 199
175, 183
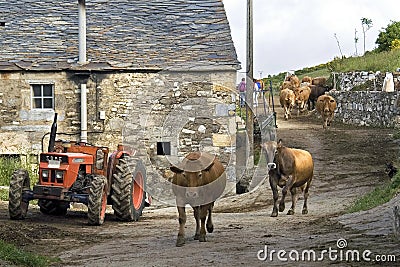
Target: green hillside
371, 61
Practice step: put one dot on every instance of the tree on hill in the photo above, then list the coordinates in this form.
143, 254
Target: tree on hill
366, 25
389, 38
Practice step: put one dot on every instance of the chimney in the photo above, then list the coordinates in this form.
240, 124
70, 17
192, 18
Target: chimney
82, 31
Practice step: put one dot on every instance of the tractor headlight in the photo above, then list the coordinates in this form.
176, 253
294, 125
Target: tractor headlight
45, 174
59, 175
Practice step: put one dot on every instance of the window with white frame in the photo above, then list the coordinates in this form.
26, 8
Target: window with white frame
42, 96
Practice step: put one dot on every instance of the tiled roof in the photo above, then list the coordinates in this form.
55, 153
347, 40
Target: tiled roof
126, 34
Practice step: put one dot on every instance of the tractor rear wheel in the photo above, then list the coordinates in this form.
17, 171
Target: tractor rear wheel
17, 206
97, 202
53, 207
128, 189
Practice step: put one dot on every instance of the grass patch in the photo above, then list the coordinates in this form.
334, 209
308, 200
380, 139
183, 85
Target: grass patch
3, 194
378, 196
14, 255
371, 61
9, 164
396, 135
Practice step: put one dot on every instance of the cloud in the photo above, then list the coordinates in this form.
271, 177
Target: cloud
293, 34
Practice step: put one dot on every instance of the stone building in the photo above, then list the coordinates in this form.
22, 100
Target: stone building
157, 75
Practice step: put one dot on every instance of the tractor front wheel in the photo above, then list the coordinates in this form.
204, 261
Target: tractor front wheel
128, 189
17, 206
97, 202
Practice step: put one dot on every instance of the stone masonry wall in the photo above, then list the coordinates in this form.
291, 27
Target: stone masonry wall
191, 110
367, 108
21, 127
364, 81
361, 102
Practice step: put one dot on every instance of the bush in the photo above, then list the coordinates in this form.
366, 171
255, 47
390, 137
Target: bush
9, 164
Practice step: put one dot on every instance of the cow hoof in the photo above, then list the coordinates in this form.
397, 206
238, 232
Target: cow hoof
210, 228
305, 211
281, 208
290, 212
180, 241
274, 214
202, 238
196, 237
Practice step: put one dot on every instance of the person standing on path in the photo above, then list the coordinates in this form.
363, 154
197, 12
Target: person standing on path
257, 90
242, 92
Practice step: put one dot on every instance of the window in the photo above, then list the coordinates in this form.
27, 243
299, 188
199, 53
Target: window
42, 96
163, 148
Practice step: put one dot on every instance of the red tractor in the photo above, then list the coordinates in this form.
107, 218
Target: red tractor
82, 173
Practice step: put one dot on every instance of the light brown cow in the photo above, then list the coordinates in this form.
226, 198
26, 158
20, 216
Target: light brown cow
302, 94
286, 85
198, 181
288, 168
306, 79
294, 80
326, 106
287, 100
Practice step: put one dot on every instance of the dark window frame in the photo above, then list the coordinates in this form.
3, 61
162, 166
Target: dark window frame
42, 96
163, 148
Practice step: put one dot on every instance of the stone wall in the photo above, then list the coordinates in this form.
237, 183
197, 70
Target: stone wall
367, 108
363, 81
190, 110
361, 102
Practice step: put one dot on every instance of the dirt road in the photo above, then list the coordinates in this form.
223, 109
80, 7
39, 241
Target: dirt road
349, 161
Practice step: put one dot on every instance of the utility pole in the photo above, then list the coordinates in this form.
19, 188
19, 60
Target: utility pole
249, 83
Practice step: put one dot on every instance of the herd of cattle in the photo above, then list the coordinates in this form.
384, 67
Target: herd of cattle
309, 92
200, 178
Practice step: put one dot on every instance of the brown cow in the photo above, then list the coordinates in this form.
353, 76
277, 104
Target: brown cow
286, 85
287, 98
302, 94
321, 81
306, 79
326, 106
294, 80
288, 168
316, 91
198, 181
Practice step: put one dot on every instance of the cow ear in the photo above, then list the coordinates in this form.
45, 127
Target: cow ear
279, 144
175, 169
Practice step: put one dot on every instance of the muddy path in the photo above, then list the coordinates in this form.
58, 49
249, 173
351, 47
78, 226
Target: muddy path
349, 161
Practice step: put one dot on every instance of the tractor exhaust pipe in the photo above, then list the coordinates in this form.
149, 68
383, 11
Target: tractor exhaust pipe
53, 133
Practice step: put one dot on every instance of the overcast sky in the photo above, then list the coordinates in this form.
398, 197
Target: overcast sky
293, 34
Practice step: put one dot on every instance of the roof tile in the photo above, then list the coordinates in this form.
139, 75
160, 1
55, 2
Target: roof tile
126, 34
